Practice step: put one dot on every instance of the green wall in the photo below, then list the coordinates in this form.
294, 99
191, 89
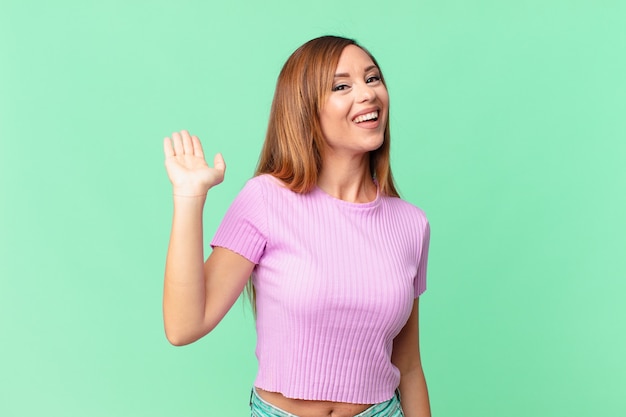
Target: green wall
509, 129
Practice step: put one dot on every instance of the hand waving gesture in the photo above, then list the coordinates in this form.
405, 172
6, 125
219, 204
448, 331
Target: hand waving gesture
186, 167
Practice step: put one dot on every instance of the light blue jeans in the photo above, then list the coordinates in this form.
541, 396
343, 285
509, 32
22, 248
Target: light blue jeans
390, 408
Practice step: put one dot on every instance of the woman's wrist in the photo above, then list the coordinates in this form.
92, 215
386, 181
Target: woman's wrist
185, 200
188, 206
189, 192
189, 195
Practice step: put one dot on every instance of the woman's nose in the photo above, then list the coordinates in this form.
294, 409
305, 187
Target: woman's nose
365, 92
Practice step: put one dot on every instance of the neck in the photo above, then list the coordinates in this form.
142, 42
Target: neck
348, 179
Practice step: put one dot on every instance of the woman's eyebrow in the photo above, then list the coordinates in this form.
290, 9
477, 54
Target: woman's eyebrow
345, 74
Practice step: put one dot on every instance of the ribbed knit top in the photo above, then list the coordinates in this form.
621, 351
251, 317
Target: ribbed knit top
335, 283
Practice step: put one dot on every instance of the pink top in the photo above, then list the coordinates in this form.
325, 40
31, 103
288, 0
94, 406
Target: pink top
335, 283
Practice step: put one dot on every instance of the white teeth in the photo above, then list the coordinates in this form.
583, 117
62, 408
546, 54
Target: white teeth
365, 117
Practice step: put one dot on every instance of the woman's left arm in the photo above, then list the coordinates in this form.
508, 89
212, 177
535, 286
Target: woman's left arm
406, 356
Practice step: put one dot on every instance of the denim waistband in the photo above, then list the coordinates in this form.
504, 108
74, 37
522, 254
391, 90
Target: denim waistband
389, 408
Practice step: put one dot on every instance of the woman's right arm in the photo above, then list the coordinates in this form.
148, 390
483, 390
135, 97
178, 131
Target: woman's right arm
196, 294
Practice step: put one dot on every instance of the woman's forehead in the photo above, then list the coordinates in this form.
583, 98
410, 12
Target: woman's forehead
352, 59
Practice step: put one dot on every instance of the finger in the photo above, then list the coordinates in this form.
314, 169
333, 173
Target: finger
197, 147
187, 146
178, 144
167, 148
219, 163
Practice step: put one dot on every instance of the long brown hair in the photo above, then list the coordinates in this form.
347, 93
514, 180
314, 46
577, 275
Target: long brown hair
294, 144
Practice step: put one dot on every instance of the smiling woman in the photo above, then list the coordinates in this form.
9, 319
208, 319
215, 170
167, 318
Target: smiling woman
337, 260
355, 114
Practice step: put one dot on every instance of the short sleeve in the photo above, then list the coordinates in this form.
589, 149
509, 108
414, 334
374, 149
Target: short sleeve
420, 277
244, 227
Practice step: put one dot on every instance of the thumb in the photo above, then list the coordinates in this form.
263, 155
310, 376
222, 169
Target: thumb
218, 162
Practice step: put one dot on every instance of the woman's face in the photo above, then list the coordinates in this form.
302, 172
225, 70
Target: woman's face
354, 117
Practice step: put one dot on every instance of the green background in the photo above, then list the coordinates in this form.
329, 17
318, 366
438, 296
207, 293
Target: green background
509, 129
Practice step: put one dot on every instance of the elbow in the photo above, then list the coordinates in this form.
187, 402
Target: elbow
179, 337
177, 340
182, 337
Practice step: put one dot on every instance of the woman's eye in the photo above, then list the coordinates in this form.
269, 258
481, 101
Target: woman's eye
340, 87
373, 79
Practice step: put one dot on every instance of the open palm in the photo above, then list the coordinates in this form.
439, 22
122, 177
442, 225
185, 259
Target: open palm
186, 167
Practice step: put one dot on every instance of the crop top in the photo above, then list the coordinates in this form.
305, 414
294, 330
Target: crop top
335, 282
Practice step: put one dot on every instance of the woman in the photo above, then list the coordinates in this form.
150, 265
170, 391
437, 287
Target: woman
337, 260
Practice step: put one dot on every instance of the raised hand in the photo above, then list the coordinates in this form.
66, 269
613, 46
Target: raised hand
186, 167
